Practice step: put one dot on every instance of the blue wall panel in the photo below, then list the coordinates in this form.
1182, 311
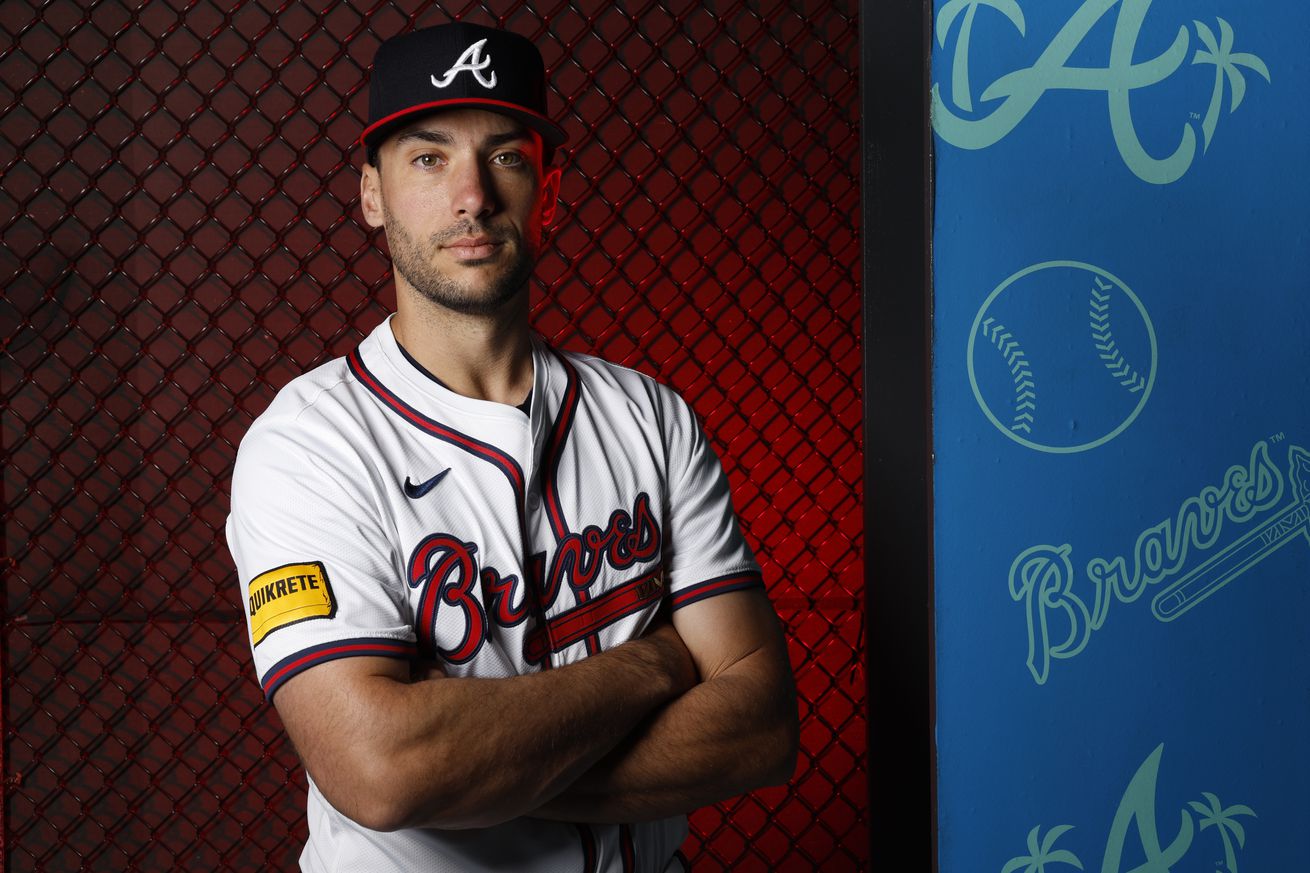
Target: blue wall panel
1122, 435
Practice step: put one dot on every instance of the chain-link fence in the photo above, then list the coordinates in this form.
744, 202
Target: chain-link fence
181, 236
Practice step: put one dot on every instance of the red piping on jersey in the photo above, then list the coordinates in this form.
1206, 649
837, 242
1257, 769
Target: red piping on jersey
486, 451
720, 585
475, 447
303, 660
625, 848
588, 848
555, 447
550, 487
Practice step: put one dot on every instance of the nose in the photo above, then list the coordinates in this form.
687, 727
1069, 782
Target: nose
473, 195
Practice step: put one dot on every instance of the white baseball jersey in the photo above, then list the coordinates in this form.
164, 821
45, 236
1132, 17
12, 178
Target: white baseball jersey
375, 512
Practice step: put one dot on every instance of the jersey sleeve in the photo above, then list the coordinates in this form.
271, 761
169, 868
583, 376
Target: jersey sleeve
705, 552
317, 573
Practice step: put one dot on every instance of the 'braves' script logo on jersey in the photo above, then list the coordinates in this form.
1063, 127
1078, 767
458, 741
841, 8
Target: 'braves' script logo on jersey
471, 61
446, 569
628, 539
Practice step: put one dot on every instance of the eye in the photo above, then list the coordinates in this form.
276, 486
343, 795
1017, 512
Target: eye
508, 159
427, 161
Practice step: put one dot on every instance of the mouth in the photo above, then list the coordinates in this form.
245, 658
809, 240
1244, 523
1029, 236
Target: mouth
473, 248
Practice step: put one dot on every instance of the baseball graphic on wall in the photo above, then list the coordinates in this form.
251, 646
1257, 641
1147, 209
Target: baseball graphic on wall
1062, 357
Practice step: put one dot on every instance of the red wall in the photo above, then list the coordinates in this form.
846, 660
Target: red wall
181, 237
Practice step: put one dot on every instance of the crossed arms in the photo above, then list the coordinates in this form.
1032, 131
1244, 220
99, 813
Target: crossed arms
698, 710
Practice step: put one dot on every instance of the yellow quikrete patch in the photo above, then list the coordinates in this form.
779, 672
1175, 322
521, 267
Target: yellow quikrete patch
289, 594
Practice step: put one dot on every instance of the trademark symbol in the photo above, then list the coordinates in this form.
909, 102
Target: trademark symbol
1278, 437
1196, 116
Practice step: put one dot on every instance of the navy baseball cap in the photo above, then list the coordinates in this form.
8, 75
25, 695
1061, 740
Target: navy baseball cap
457, 65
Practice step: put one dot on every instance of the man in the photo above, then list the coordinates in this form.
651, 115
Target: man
496, 591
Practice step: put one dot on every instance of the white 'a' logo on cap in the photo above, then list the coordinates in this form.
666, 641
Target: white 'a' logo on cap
471, 61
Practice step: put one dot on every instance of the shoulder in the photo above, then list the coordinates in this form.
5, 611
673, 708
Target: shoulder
310, 396
317, 420
643, 394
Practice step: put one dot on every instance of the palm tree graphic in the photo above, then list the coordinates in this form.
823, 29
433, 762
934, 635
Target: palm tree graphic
1226, 64
960, 65
1040, 855
1225, 820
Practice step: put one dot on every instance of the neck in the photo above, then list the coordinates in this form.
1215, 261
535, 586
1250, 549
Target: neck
484, 357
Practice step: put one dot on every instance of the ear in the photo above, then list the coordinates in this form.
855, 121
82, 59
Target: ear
550, 185
370, 195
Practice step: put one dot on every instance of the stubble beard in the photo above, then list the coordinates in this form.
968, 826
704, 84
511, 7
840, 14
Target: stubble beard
413, 261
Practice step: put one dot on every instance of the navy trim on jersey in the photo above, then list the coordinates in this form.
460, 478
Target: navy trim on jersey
559, 434
476, 447
718, 585
487, 452
417, 366
625, 848
277, 675
588, 840
525, 407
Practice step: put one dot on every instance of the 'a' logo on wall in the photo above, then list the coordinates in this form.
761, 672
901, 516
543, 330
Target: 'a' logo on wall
1135, 832
1019, 91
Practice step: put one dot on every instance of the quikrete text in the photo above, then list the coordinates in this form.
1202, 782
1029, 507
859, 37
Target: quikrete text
281, 588
289, 594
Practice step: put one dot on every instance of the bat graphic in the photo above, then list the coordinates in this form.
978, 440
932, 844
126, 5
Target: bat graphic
1225, 566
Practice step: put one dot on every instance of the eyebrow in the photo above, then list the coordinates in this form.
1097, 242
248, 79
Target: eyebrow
436, 137
441, 138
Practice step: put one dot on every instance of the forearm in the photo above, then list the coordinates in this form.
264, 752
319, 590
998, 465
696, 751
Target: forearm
457, 753
534, 735
724, 737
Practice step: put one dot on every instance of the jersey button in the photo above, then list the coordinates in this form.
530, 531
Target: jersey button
534, 501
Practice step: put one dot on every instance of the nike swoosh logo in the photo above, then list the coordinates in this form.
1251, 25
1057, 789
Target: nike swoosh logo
414, 492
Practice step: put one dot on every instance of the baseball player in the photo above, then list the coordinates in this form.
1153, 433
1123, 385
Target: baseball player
496, 591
